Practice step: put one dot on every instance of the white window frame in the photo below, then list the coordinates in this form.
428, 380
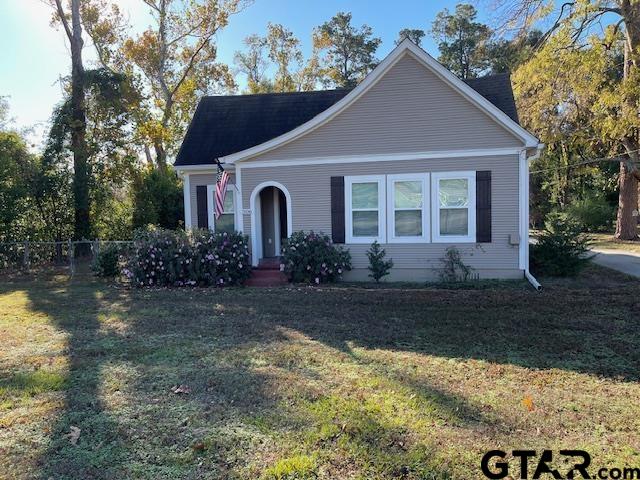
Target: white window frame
470, 176
211, 209
348, 217
426, 201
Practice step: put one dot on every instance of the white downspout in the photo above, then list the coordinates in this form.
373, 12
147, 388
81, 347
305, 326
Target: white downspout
527, 274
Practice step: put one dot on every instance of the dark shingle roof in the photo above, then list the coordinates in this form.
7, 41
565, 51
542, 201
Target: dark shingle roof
223, 125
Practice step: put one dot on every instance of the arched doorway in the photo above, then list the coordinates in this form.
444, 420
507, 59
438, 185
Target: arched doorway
270, 220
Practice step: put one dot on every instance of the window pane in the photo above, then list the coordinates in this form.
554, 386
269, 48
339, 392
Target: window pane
408, 194
454, 221
454, 192
228, 202
408, 223
225, 223
364, 195
365, 224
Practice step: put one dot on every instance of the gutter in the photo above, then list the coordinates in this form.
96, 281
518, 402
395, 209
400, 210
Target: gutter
527, 274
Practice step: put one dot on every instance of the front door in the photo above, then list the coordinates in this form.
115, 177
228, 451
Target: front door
269, 212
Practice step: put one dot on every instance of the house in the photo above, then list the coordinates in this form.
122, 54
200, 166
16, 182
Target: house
413, 157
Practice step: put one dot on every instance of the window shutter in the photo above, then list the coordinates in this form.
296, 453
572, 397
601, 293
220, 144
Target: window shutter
201, 202
337, 209
483, 207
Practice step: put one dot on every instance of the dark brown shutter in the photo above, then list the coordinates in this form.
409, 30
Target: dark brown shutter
337, 209
201, 201
483, 207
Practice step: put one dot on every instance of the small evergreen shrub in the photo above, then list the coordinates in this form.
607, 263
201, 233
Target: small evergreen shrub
313, 258
561, 250
454, 269
178, 258
107, 263
378, 266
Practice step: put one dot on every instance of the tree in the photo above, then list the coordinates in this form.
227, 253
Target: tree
158, 199
253, 63
614, 96
175, 60
506, 55
284, 51
77, 119
461, 40
414, 34
5, 120
350, 52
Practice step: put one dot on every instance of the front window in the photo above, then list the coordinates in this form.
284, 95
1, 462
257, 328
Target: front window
454, 212
364, 201
227, 221
408, 196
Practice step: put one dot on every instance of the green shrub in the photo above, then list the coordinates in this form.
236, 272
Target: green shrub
378, 266
592, 213
157, 199
313, 258
107, 263
178, 258
561, 250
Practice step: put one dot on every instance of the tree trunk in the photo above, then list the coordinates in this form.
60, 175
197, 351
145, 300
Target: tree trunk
627, 223
82, 228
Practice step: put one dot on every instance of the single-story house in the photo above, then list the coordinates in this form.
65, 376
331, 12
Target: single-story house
413, 157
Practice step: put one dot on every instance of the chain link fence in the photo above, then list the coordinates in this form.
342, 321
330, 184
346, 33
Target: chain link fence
27, 255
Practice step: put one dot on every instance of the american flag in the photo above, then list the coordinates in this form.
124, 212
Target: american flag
221, 192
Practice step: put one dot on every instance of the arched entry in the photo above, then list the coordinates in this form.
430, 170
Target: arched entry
270, 220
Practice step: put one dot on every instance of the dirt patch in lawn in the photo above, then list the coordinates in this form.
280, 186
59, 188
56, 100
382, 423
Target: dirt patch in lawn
346, 382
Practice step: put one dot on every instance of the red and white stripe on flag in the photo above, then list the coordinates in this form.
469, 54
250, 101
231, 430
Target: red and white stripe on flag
221, 192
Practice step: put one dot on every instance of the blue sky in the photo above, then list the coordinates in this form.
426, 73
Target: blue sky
35, 55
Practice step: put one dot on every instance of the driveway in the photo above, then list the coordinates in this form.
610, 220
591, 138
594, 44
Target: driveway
625, 262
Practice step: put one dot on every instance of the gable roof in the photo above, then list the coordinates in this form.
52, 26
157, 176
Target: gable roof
235, 127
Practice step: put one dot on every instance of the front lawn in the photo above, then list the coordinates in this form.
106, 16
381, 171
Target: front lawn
606, 241
333, 383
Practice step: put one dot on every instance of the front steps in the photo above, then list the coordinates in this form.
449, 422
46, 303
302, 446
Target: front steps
267, 274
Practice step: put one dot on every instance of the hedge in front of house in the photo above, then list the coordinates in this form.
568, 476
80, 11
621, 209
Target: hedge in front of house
313, 258
177, 258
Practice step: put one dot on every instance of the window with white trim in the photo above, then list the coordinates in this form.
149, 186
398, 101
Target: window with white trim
407, 204
365, 209
227, 221
454, 206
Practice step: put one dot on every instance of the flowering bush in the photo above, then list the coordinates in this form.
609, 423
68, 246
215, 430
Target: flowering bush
177, 258
313, 258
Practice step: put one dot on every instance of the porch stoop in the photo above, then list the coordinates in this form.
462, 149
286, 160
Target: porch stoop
267, 274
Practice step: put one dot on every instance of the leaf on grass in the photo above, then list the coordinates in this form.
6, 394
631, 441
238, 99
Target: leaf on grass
73, 435
527, 402
181, 390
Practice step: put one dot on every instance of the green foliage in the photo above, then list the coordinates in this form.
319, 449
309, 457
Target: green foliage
378, 266
414, 34
461, 40
157, 199
453, 267
107, 263
593, 213
299, 467
561, 250
177, 258
313, 258
350, 51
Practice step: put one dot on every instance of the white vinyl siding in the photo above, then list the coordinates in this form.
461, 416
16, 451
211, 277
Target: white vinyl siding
408, 208
365, 220
454, 207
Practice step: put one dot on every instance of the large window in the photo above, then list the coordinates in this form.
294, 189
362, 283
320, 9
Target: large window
407, 199
365, 209
454, 208
227, 221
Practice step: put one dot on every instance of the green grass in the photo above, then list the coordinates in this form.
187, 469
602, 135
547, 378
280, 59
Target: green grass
607, 242
352, 381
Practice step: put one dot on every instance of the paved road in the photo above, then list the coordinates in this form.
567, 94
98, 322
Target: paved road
626, 262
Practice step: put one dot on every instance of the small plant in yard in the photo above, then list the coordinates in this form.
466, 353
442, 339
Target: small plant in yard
107, 263
561, 250
378, 266
454, 269
177, 258
313, 258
